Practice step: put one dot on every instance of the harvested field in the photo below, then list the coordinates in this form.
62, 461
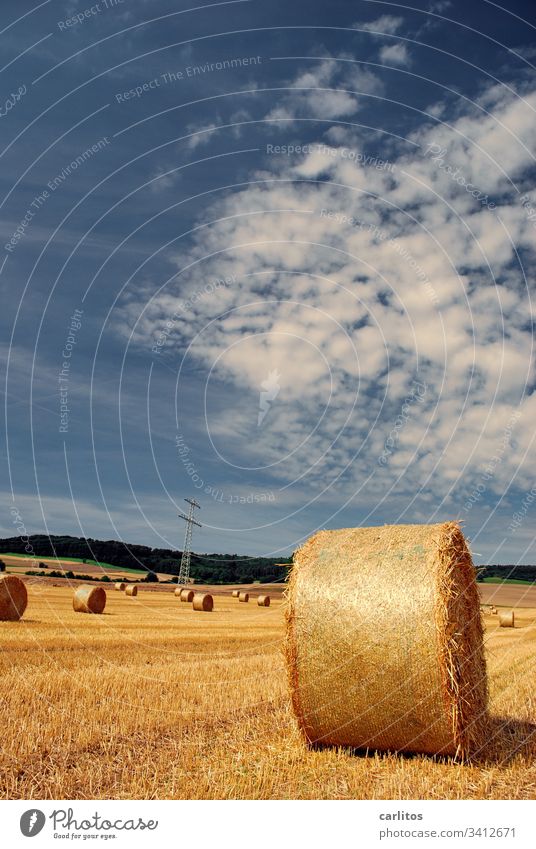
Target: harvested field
152, 700
508, 595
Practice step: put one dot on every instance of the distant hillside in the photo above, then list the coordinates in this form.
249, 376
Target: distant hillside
207, 568
517, 573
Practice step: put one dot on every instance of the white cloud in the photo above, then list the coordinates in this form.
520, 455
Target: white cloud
353, 287
384, 24
329, 90
395, 54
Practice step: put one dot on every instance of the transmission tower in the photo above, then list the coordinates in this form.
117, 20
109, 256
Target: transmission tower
184, 574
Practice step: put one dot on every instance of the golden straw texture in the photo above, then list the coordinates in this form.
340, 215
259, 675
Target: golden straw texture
132, 589
507, 619
384, 640
263, 601
13, 598
89, 599
243, 596
187, 595
203, 601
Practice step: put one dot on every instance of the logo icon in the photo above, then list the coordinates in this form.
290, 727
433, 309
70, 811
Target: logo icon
271, 389
32, 822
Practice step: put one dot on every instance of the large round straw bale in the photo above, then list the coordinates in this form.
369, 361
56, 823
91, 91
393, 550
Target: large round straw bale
120, 586
507, 619
263, 601
235, 593
13, 598
88, 599
132, 589
187, 595
384, 640
243, 596
203, 601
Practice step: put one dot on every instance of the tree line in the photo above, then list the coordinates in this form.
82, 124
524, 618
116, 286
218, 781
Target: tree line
205, 568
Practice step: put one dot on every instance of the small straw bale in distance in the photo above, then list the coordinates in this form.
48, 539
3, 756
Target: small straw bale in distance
88, 599
263, 601
243, 596
120, 586
13, 598
507, 619
235, 593
132, 589
203, 601
384, 640
187, 595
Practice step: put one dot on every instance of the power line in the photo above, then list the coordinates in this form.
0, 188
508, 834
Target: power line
184, 574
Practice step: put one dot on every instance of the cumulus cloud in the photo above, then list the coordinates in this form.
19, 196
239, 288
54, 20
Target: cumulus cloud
328, 91
395, 54
388, 296
384, 24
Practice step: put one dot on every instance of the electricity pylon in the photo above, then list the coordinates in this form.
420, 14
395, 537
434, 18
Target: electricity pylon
184, 574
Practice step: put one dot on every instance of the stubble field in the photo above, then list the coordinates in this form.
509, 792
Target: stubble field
155, 701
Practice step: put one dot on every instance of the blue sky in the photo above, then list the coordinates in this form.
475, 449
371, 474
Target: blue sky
278, 257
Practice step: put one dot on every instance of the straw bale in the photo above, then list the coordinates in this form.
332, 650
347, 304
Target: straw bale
243, 597
203, 601
13, 598
89, 599
263, 601
384, 640
131, 589
187, 595
507, 619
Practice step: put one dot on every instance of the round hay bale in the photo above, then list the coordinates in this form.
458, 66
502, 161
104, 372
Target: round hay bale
263, 601
132, 589
120, 586
187, 595
203, 601
507, 619
235, 593
243, 596
88, 599
13, 598
384, 640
